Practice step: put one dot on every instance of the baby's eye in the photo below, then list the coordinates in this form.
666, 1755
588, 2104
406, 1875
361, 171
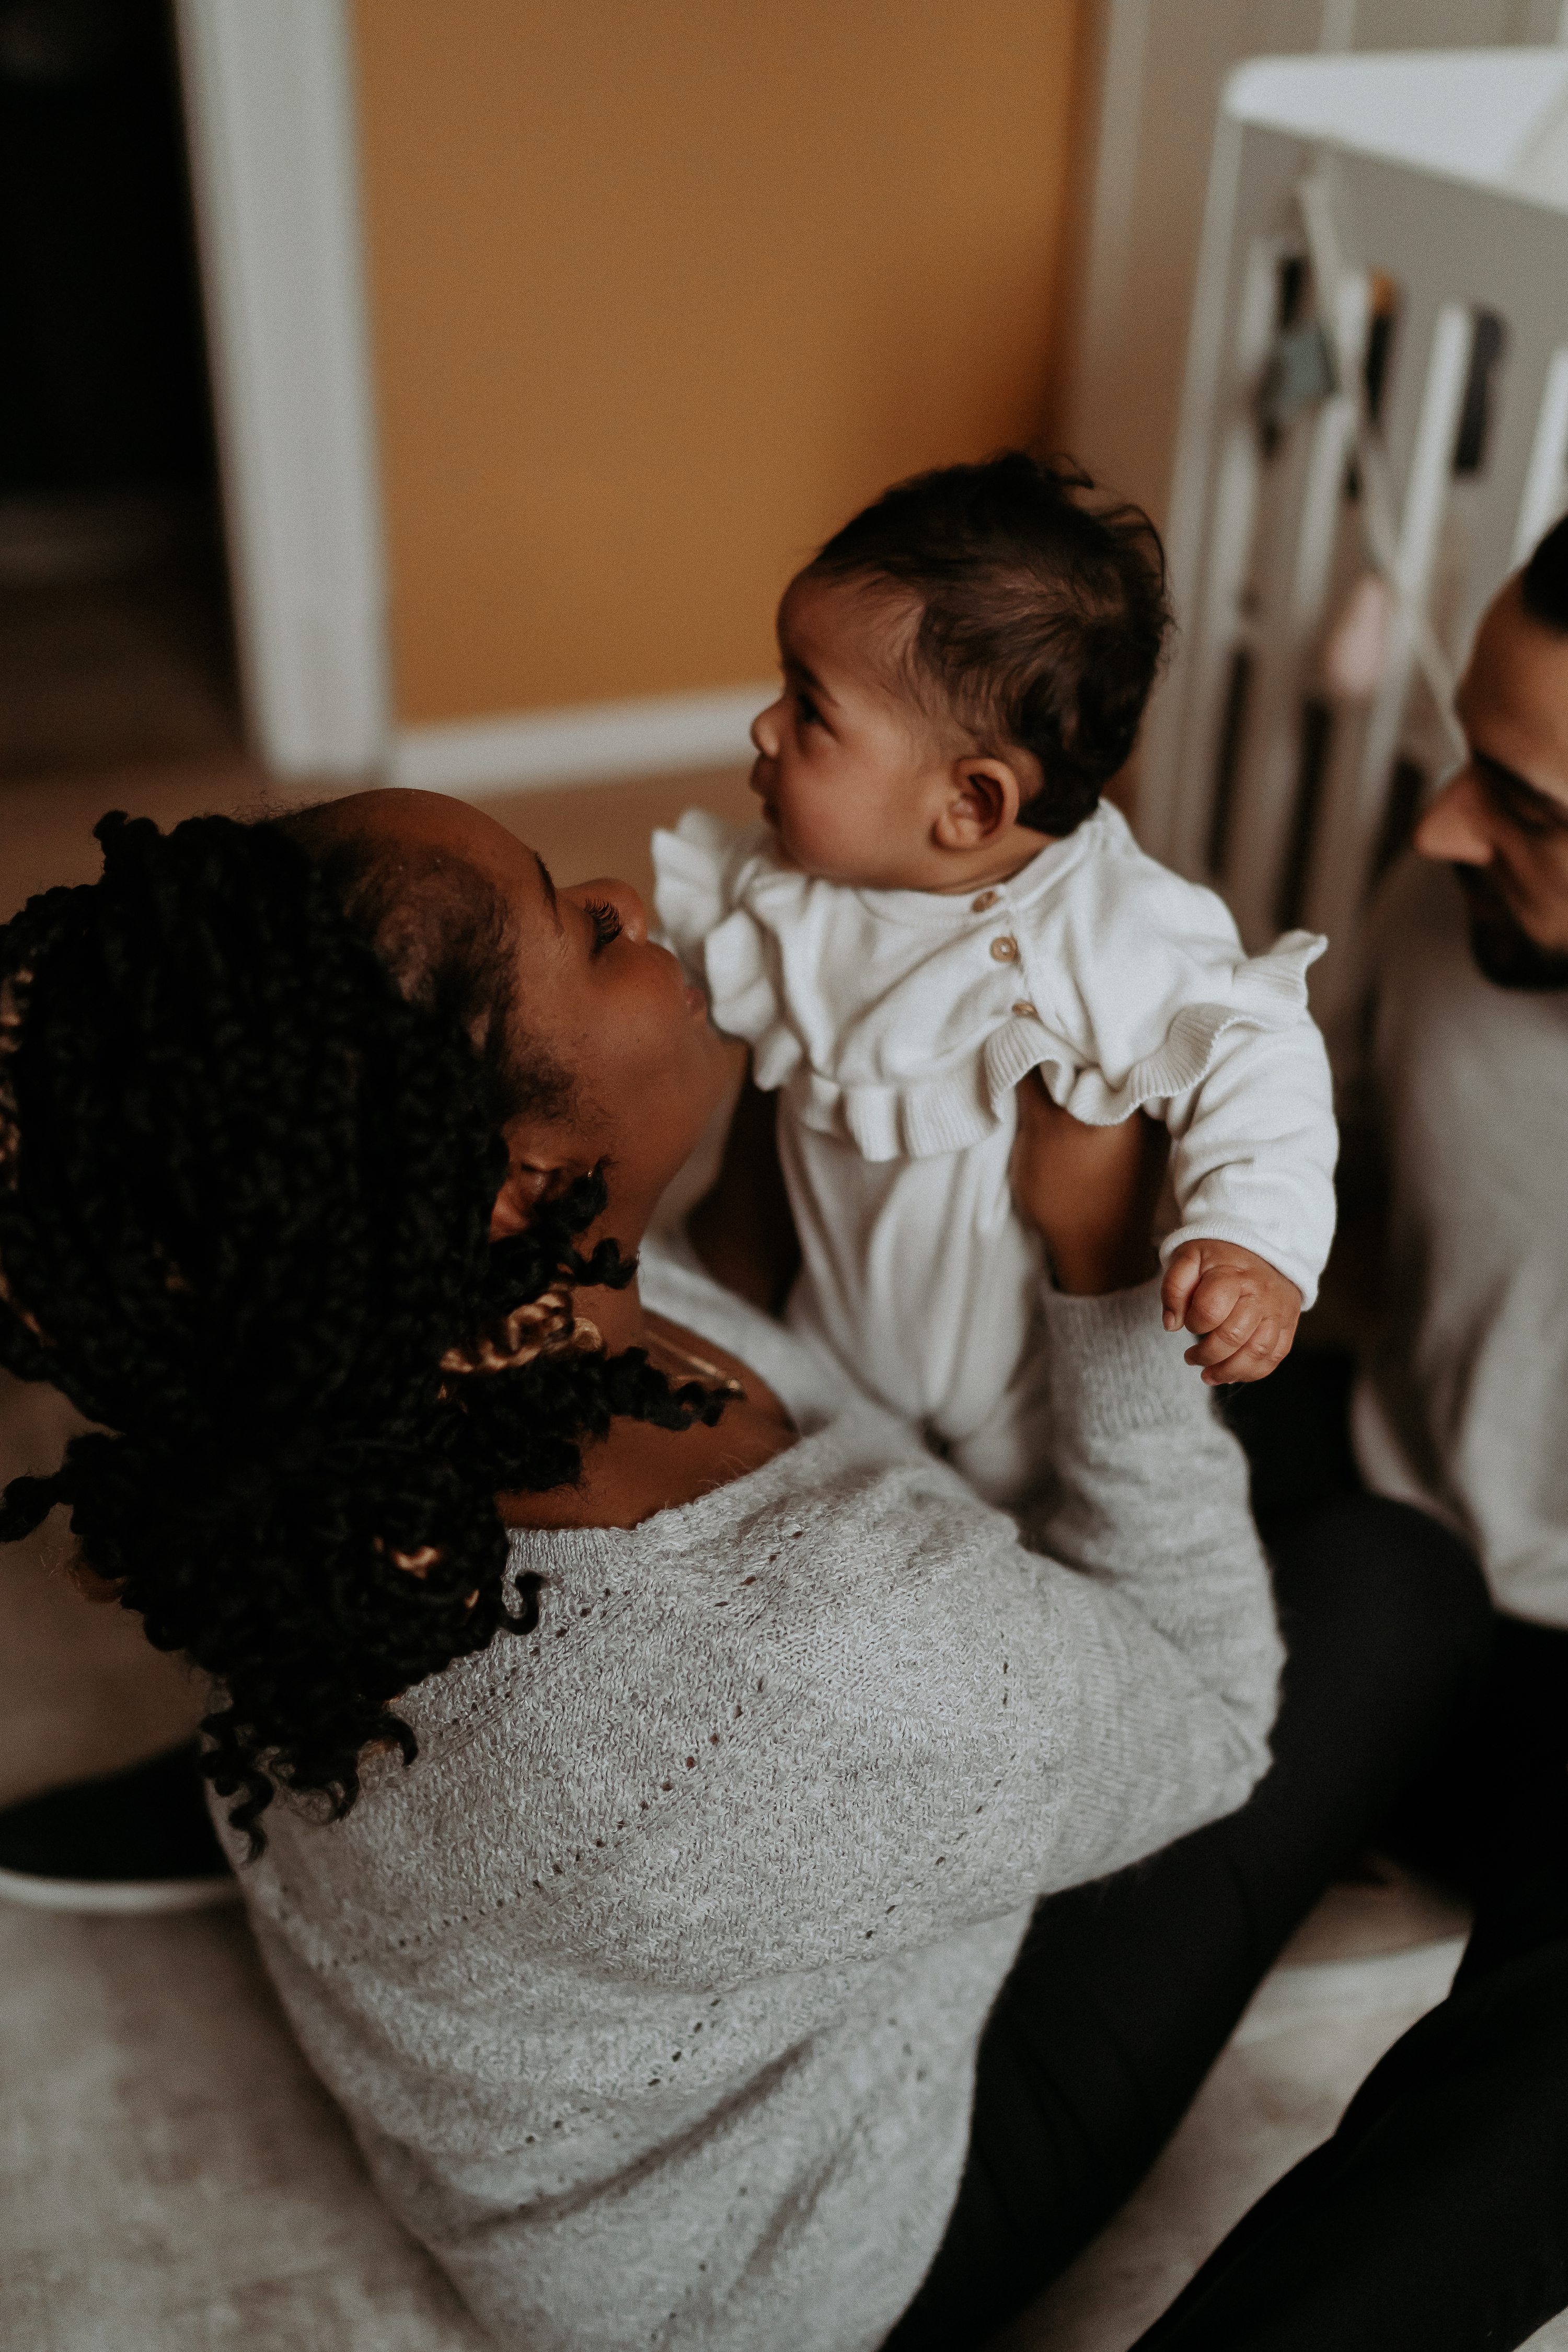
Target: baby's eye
606, 923
807, 710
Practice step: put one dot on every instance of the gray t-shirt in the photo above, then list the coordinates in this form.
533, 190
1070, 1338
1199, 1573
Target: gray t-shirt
1465, 1405
652, 1990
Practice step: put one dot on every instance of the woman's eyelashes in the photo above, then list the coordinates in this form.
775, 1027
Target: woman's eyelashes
607, 924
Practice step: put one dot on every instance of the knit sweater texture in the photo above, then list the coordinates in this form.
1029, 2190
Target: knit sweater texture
1463, 1408
652, 1989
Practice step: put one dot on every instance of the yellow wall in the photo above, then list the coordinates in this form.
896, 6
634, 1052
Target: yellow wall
663, 289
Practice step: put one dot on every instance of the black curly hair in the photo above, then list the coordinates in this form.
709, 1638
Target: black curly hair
1043, 618
252, 1088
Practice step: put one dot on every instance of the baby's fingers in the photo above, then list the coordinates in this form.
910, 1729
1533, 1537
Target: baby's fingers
1182, 1278
1252, 1361
1222, 1301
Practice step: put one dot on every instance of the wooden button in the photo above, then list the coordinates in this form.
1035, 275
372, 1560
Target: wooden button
986, 899
1004, 949
1025, 1010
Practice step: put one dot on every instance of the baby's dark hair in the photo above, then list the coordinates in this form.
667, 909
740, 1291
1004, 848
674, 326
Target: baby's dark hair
1042, 617
252, 1084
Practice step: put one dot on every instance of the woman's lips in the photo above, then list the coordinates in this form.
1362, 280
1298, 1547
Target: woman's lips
696, 1003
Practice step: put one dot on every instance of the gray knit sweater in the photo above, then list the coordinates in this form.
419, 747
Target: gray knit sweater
653, 1988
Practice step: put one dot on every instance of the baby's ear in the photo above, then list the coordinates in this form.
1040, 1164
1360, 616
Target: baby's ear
981, 804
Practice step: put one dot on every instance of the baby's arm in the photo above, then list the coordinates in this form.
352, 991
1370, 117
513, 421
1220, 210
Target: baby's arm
1091, 1192
1253, 1162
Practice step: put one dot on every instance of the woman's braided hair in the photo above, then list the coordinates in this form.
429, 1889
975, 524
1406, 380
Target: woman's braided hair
252, 1085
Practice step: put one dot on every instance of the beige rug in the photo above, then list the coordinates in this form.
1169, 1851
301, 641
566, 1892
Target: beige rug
173, 2179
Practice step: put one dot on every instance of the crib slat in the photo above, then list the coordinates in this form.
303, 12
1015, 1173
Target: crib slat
1417, 166
1354, 813
1543, 486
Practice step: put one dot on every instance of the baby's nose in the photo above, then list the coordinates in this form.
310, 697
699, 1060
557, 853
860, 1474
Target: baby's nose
764, 731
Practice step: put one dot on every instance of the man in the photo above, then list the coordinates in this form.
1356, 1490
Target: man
1464, 1406
1436, 2219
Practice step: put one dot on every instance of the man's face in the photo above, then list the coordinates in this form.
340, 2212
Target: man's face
1501, 822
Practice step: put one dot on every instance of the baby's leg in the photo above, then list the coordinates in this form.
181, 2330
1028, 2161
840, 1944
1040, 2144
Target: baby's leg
915, 1273
1007, 1458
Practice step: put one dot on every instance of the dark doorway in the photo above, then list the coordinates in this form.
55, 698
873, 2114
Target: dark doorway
115, 638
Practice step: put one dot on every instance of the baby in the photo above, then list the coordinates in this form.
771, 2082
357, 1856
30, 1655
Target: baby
940, 907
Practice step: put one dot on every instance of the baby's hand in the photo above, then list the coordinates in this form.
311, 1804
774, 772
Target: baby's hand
1245, 1308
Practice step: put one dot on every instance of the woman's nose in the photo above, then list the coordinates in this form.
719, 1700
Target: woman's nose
627, 902
1454, 830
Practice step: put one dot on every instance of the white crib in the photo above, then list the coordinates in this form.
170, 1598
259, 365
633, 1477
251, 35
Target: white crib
1375, 415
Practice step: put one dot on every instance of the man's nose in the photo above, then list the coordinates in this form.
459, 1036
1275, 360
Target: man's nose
1454, 830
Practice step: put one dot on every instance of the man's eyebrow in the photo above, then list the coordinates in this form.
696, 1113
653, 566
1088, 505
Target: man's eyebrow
546, 878
1509, 781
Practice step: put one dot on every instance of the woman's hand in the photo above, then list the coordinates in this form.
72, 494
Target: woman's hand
1089, 1192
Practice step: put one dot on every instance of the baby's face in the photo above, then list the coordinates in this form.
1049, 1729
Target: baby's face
849, 776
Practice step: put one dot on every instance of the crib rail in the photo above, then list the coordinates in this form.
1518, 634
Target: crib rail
1374, 431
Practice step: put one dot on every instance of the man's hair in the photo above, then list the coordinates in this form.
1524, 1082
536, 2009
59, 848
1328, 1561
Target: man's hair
1544, 582
1042, 617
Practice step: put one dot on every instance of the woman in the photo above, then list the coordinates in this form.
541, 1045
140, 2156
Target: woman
648, 1759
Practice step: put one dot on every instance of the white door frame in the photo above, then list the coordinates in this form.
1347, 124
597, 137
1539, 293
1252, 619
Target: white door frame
273, 153
269, 110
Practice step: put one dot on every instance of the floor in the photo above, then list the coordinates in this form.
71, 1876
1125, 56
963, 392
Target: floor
172, 2179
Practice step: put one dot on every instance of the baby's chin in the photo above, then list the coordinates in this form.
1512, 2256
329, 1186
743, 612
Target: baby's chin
785, 850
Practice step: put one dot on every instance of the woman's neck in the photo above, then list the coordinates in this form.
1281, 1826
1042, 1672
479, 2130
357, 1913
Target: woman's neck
637, 1469
618, 1316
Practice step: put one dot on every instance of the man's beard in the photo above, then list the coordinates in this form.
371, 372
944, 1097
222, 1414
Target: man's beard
1504, 951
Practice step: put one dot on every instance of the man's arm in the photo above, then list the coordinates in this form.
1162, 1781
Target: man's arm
741, 1228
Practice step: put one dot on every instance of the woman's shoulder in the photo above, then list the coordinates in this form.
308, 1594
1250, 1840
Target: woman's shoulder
853, 1514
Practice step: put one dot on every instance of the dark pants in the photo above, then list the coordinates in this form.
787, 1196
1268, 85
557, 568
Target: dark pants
1436, 2219
1126, 1991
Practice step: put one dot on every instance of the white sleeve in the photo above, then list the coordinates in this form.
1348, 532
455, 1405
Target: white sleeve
1254, 1146
1221, 1046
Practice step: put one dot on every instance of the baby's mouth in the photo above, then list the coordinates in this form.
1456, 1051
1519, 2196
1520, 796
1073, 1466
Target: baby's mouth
758, 783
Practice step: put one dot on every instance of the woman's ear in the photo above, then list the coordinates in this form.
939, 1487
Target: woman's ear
98, 1589
539, 1164
981, 804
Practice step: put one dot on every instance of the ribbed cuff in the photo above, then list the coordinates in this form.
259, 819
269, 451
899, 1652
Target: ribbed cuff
1114, 1368
1302, 1271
